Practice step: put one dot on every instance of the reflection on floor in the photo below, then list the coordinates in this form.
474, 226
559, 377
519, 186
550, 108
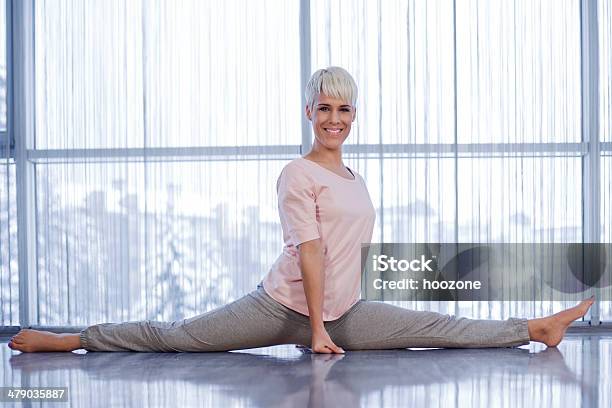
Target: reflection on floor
577, 373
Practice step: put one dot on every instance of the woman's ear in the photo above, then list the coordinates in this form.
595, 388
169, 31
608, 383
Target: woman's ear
308, 113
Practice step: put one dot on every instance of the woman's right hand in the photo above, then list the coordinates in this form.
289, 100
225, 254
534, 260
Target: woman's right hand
322, 343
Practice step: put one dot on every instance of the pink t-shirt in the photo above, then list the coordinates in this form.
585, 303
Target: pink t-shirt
315, 202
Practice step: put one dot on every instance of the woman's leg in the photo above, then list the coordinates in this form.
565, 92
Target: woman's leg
255, 320
378, 325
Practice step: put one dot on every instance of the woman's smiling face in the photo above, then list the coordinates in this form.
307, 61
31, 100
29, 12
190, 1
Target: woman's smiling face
331, 120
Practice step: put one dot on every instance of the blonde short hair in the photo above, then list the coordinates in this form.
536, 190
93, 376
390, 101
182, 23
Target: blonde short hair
334, 82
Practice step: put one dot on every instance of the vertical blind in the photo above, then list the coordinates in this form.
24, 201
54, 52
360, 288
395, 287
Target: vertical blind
153, 235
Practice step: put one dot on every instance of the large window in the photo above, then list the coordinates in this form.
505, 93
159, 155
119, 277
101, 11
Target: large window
469, 119
165, 222
160, 130
160, 240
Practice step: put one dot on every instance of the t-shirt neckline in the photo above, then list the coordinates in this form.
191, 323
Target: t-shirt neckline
335, 174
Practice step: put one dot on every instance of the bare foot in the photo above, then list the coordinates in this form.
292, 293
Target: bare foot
28, 341
550, 330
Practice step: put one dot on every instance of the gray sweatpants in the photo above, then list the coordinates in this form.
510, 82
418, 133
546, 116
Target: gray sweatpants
257, 320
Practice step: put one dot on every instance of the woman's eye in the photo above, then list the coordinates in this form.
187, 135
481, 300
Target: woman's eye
324, 108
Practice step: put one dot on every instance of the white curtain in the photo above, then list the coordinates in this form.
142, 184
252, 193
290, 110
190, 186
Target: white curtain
129, 226
514, 69
160, 236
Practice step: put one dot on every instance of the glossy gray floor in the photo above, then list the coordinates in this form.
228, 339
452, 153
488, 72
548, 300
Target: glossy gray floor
577, 373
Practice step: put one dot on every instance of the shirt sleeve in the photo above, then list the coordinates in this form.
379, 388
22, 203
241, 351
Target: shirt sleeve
297, 205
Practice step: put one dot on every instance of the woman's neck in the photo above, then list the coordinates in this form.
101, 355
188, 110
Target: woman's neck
322, 155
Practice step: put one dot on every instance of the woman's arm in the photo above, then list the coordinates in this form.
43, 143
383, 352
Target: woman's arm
312, 262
